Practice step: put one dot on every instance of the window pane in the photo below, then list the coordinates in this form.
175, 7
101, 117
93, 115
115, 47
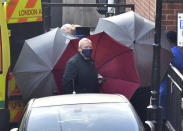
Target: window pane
44, 119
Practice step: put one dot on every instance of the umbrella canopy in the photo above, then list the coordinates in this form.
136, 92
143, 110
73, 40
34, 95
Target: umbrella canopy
33, 70
137, 33
113, 60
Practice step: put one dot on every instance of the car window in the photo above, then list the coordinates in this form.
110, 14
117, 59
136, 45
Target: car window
83, 117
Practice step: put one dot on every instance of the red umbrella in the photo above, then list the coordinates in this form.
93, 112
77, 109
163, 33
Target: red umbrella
114, 61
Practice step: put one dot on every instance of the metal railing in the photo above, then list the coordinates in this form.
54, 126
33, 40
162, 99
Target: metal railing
174, 99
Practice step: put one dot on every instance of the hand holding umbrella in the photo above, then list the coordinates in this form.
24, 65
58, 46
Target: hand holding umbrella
101, 79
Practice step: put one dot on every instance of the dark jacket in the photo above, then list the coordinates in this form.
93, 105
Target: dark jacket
80, 75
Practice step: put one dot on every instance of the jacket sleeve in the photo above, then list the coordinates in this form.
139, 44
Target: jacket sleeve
68, 78
177, 60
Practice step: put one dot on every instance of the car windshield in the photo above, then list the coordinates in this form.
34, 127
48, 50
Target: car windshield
83, 117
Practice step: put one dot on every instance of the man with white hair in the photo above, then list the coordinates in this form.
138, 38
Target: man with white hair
80, 74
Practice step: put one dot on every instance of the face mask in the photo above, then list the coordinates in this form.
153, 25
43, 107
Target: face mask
87, 52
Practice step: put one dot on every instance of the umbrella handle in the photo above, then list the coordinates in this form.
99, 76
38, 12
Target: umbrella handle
101, 79
101, 89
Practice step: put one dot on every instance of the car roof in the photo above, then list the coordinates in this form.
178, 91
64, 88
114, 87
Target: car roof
78, 99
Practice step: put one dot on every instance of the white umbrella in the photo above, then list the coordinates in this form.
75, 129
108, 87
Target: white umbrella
34, 67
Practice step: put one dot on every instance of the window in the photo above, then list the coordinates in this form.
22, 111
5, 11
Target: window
1, 69
84, 117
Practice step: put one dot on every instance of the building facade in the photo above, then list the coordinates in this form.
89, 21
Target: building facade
145, 8
88, 16
170, 9
85, 16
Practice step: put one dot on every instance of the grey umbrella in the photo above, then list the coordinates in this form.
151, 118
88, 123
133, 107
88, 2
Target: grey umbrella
33, 69
137, 33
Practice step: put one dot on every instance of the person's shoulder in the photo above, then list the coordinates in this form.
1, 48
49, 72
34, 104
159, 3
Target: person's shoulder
176, 49
73, 59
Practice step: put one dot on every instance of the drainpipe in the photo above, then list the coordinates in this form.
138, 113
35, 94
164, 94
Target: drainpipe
154, 110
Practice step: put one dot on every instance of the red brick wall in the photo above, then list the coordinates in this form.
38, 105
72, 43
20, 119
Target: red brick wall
169, 15
145, 8
170, 10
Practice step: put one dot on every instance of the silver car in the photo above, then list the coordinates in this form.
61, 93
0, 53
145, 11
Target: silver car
81, 112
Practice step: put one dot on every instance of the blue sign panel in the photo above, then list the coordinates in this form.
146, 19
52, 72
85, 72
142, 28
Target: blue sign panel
181, 24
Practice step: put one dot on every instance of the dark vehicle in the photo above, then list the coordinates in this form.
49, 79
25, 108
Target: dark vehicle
80, 112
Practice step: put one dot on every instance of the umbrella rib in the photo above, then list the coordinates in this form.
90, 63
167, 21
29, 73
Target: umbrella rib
99, 39
73, 46
118, 26
121, 79
38, 56
112, 59
38, 85
35, 71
